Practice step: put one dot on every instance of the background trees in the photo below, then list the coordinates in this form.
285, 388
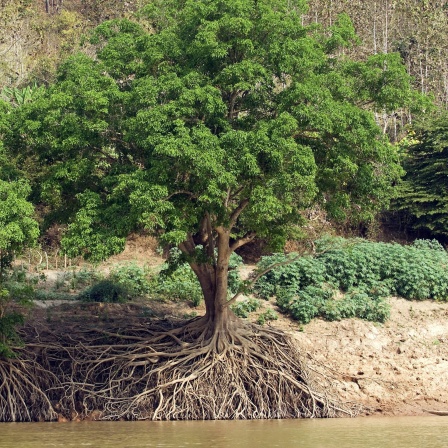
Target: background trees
35, 35
421, 198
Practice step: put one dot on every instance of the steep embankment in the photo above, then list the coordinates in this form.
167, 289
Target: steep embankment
396, 368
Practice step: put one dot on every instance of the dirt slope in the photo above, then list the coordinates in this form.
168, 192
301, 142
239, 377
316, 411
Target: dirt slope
396, 368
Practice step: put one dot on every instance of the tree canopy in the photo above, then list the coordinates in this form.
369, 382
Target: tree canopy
18, 228
220, 123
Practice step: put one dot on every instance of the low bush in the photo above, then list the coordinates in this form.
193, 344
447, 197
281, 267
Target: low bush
105, 291
132, 277
244, 307
177, 281
353, 278
180, 283
267, 316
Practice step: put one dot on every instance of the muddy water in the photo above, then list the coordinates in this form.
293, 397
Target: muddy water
396, 432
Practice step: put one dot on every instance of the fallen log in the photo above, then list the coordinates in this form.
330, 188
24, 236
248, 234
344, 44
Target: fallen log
436, 412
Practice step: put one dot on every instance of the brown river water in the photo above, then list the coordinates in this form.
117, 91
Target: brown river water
372, 432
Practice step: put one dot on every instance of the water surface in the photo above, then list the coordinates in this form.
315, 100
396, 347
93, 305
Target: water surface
372, 432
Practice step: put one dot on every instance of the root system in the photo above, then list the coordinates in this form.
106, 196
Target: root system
242, 371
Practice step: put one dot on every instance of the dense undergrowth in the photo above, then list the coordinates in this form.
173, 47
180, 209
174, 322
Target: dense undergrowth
354, 278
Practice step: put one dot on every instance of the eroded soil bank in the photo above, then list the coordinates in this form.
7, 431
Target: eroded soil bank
396, 368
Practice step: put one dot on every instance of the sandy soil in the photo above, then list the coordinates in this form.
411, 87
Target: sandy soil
396, 368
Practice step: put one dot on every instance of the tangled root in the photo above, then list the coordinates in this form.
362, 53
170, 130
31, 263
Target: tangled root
23, 386
194, 372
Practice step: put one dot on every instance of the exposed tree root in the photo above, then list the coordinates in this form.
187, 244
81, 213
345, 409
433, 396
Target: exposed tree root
23, 386
242, 371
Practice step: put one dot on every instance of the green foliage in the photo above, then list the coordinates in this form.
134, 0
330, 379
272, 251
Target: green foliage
69, 281
244, 307
305, 271
267, 316
77, 279
234, 278
205, 114
16, 289
133, 278
124, 282
17, 226
177, 281
104, 291
422, 197
20, 96
213, 123
179, 284
18, 229
353, 278
8, 334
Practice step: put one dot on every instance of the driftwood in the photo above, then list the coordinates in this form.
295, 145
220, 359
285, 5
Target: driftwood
436, 412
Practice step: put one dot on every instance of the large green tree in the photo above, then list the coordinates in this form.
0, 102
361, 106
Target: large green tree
220, 124
421, 201
18, 230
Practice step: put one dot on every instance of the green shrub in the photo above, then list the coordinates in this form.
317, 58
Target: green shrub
8, 333
234, 278
83, 278
15, 289
105, 291
244, 307
267, 316
74, 280
305, 271
132, 277
180, 283
353, 278
305, 304
177, 281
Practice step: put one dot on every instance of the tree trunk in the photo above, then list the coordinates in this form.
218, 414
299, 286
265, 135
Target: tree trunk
213, 278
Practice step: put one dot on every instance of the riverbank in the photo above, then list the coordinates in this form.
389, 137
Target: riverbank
396, 368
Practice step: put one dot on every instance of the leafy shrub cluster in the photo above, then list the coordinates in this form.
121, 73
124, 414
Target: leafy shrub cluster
105, 291
244, 307
123, 283
176, 281
353, 278
133, 278
267, 316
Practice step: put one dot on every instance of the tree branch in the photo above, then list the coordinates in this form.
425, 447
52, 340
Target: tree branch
188, 246
237, 212
249, 284
242, 241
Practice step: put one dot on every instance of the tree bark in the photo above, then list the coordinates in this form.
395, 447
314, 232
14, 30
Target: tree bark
213, 278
